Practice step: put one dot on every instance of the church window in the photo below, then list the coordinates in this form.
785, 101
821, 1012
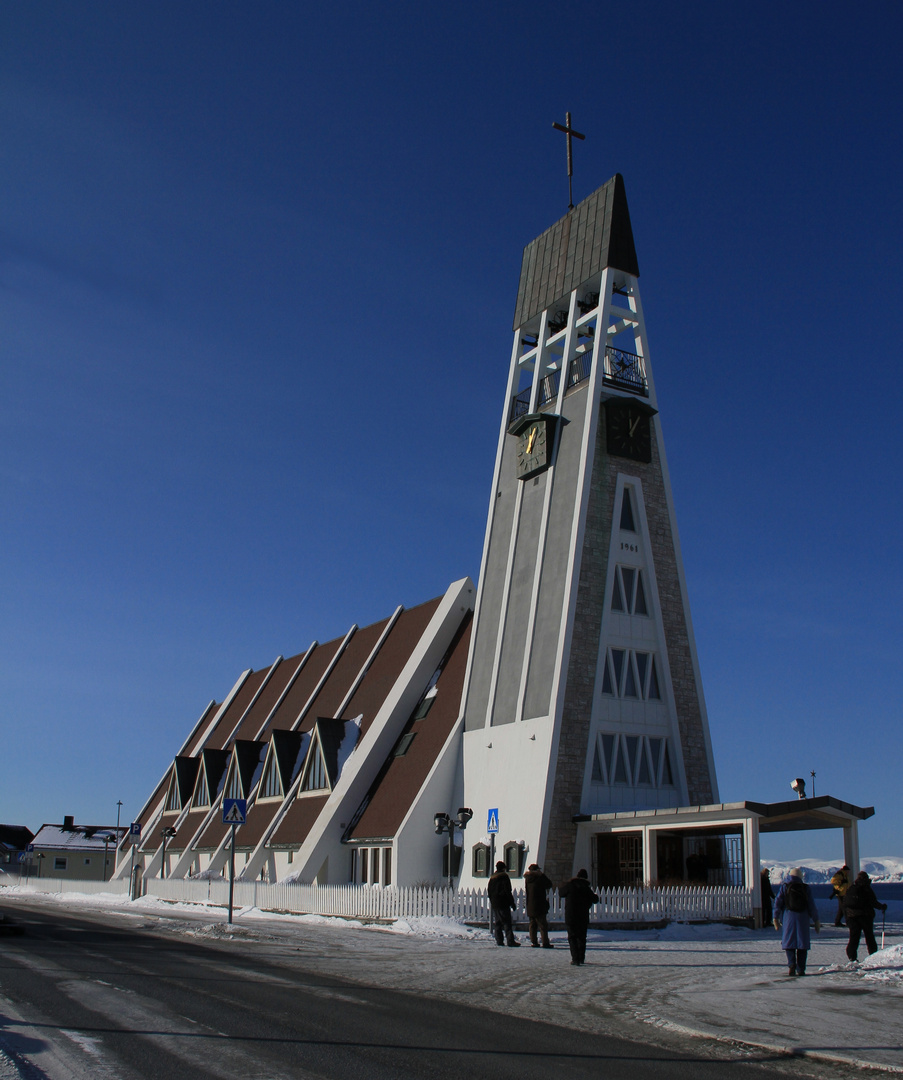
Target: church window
617, 658
202, 792
642, 663
315, 780
627, 522
514, 853
173, 802
607, 684
644, 775
639, 603
271, 787
627, 593
403, 744
667, 775
233, 784
632, 759
654, 694
387, 866
364, 865
617, 597
424, 707
374, 866
481, 860
631, 743
597, 768
630, 689
630, 674
608, 751
621, 767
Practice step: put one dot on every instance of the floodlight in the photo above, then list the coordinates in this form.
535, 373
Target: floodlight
799, 786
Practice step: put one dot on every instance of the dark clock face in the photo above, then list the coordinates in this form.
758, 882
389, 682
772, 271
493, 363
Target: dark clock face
532, 450
629, 429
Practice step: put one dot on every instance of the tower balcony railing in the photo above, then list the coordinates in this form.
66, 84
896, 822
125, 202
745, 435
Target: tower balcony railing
623, 369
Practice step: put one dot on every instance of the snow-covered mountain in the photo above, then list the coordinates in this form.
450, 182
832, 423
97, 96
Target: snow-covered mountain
886, 868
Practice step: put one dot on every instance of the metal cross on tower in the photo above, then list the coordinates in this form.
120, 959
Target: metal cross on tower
570, 133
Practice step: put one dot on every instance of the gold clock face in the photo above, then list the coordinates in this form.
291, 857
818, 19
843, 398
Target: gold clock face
532, 450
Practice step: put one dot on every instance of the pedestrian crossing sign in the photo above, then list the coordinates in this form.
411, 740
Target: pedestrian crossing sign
235, 811
493, 826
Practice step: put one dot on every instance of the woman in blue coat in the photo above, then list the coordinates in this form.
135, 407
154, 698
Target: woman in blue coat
793, 908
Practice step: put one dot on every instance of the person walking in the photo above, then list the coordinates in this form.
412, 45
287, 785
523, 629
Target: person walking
859, 905
767, 896
841, 882
793, 908
502, 902
578, 899
536, 886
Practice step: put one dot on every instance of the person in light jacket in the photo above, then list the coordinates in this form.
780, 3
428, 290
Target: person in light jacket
793, 908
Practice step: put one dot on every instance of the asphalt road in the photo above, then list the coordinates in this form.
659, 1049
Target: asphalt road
83, 996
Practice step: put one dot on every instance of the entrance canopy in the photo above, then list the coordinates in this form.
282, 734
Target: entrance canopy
716, 844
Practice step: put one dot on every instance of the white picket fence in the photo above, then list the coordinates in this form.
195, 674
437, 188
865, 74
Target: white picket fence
672, 903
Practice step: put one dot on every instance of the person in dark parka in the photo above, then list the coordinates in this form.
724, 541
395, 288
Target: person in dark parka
578, 899
793, 908
536, 886
501, 899
767, 897
859, 904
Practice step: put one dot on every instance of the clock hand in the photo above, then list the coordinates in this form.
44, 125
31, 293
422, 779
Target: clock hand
531, 440
633, 426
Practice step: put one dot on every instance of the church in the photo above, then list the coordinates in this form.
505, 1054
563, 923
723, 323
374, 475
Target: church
557, 703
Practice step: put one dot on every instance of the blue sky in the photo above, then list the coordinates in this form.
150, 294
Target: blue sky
258, 265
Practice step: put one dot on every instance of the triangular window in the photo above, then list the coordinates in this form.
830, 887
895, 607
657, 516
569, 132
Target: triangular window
597, 768
607, 685
621, 768
655, 747
639, 607
628, 574
617, 656
608, 750
201, 792
617, 600
667, 775
654, 694
315, 777
630, 689
644, 776
233, 783
642, 664
631, 742
627, 512
173, 802
271, 784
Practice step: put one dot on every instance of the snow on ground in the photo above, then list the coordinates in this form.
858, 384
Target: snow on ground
726, 982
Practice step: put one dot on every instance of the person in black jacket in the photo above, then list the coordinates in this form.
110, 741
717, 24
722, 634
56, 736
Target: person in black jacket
859, 904
767, 897
578, 899
501, 899
536, 886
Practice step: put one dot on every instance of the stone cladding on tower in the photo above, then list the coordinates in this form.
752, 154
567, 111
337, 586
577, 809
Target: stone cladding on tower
577, 708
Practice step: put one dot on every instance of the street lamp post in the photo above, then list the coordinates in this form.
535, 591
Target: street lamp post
167, 834
446, 823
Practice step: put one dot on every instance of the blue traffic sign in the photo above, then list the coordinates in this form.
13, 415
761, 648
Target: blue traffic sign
235, 811
493, 826
29, 847
135, 828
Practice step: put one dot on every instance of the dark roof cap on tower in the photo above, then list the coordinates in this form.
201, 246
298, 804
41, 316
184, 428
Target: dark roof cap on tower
595, 234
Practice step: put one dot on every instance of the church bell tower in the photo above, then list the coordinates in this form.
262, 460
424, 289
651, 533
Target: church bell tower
583, 692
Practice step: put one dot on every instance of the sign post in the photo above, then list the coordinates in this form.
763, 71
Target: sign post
235, 813
135, 834
492, 827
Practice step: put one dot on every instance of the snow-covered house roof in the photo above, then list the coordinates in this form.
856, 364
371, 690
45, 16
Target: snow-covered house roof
77, 837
